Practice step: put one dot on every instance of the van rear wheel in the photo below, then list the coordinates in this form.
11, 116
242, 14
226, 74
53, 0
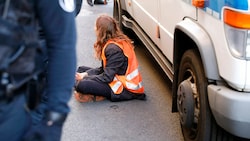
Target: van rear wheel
117, 13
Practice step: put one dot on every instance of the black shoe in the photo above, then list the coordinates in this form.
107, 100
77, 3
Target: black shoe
90, 2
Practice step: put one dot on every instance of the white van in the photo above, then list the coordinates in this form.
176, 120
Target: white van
203, 46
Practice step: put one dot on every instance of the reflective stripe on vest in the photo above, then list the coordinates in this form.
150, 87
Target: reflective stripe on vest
117, 83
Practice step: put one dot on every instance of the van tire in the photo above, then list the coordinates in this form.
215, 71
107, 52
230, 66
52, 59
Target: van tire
191, 70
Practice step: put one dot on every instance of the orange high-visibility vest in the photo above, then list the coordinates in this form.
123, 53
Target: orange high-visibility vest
132, 79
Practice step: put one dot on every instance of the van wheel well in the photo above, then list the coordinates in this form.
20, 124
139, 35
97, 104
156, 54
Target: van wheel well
182, 43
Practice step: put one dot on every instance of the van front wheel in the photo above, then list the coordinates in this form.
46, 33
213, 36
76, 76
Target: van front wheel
192, 101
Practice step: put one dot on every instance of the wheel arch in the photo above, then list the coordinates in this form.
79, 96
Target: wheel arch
185, 38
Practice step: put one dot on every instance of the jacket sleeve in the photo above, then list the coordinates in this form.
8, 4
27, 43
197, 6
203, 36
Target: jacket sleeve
95, 71
116, 64
57, 21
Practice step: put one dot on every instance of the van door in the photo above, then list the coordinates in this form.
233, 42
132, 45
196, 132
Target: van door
171, 12
146, 15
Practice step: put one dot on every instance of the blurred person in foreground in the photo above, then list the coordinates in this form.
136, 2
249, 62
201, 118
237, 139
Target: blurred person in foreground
118, 78
57, 20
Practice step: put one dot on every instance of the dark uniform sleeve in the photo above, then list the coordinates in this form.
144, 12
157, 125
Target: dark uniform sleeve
57, 21
117, 63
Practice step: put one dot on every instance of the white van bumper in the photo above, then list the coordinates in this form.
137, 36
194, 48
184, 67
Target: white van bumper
231, 109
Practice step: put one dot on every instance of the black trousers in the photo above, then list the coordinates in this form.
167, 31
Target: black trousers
88, 86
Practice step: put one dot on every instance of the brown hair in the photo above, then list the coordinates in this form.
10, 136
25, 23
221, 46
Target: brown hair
107, 29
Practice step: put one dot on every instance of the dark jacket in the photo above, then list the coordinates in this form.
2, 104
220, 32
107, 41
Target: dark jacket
117, 63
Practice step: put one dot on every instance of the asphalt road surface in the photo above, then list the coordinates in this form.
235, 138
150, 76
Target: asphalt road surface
134, 120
